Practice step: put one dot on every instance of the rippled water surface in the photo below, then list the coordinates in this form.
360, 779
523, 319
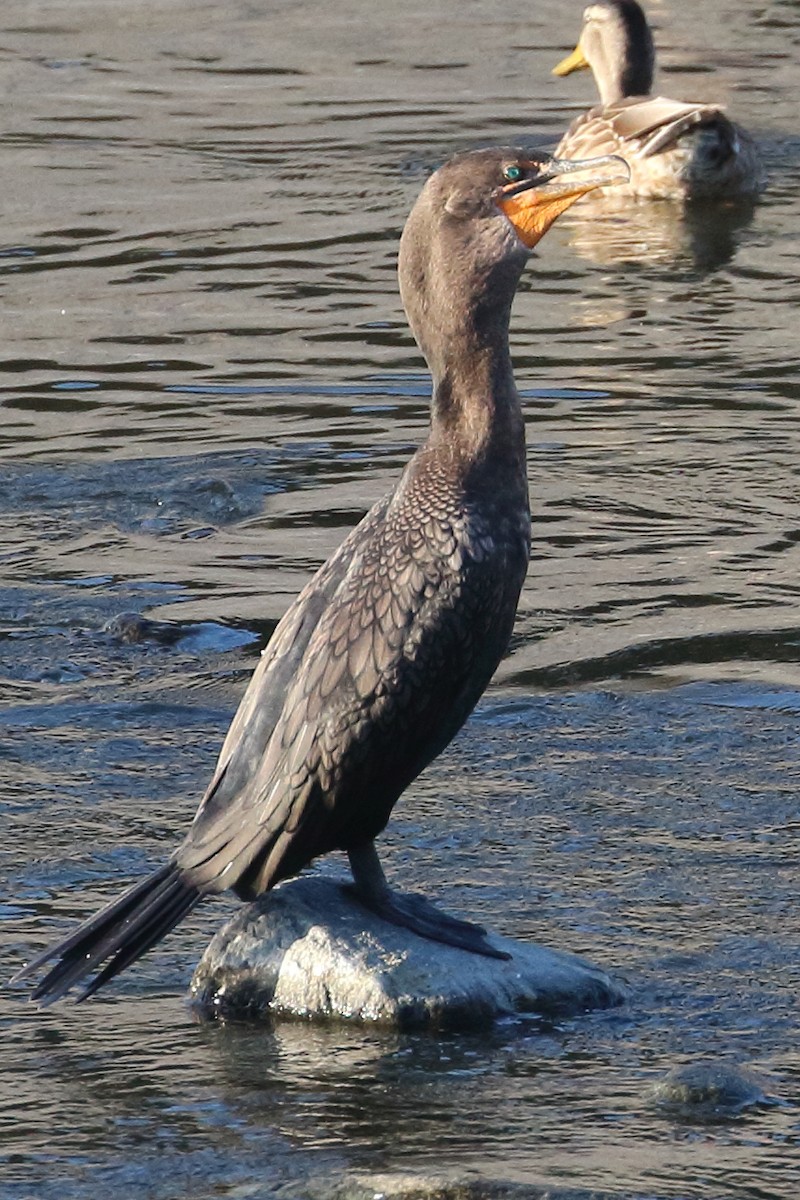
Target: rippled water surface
205, 379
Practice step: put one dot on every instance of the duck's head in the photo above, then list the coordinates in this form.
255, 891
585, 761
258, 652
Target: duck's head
472, 228
616, 43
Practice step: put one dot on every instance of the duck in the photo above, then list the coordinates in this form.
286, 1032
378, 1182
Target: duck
675, 149
385, 652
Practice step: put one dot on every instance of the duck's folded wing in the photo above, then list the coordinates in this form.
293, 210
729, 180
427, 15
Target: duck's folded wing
657, 122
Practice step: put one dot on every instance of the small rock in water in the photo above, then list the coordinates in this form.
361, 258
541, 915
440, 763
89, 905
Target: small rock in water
132, 628
309, 949
708, 1089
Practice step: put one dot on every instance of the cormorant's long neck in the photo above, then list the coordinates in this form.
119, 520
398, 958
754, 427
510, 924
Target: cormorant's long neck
459, 310
475, 401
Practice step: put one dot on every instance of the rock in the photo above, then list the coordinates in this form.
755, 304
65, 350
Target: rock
309, 949
708, 1089
132, 628
363, 1186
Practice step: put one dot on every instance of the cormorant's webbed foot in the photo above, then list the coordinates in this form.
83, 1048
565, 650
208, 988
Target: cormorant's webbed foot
411, 911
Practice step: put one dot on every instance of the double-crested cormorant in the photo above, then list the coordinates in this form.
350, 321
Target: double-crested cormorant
674, 149
383, 655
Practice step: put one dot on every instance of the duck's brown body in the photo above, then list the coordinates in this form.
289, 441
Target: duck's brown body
674, 148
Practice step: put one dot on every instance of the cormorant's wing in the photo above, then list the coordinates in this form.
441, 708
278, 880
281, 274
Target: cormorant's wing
264, 700
403, 639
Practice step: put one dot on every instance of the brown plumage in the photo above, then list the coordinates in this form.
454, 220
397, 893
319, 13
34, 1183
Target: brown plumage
677, 149
385, 652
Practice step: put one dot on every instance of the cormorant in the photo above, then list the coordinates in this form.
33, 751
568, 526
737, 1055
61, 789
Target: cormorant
386, 651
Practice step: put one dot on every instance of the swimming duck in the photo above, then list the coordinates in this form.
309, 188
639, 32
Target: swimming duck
386, 651
673, 148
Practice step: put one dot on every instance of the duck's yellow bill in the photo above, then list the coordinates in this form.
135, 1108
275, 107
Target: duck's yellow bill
573, 62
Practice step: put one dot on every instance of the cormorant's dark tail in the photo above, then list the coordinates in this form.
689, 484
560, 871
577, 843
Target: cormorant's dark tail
122, 932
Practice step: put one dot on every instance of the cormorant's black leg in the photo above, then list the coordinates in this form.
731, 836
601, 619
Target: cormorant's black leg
411, 911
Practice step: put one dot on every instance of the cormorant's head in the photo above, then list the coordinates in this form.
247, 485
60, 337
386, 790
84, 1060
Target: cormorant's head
468, 235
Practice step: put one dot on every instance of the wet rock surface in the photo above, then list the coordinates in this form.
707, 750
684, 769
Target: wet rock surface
132, 628
310, 950
703, 1090
410, 1186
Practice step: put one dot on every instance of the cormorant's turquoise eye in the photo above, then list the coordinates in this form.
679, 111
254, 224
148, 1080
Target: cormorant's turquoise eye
512, 174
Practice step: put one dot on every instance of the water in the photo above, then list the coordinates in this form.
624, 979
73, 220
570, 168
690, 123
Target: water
205, 379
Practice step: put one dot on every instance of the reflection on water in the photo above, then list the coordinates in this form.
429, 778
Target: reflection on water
616, 231
205, 379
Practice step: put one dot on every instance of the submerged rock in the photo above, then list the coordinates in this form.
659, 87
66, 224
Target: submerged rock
309, 949
708, 1089
132, 628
